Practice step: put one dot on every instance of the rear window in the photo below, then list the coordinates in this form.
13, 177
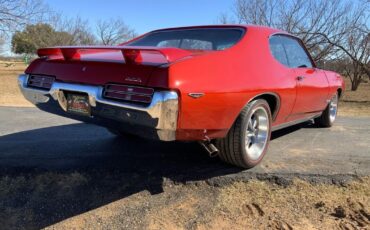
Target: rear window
192, 39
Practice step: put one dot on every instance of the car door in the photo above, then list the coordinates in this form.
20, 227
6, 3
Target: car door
312, 84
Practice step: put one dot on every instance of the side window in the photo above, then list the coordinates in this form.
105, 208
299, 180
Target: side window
297, 56
289, 51
277, 50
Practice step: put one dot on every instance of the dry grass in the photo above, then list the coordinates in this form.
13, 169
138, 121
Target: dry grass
362, 94
353, 109
251, 205
299, 206
10, 94
355, 103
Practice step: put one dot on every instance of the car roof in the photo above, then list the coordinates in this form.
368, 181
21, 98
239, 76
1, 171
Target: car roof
253, 27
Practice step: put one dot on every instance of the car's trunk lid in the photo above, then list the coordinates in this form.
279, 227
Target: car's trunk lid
99, 65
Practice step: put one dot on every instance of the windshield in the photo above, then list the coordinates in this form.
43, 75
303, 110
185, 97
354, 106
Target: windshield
192, 39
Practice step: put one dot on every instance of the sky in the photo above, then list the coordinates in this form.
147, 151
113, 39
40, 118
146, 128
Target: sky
142, 15
145, 15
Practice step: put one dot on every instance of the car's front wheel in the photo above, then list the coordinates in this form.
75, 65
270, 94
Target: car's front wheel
329, 115
246, 143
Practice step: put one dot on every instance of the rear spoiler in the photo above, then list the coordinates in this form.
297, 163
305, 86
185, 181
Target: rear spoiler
124, 54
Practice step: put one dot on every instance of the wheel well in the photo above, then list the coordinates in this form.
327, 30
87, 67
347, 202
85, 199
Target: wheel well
273, 101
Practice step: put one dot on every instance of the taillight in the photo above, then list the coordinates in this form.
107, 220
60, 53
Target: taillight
128, 93
40, 81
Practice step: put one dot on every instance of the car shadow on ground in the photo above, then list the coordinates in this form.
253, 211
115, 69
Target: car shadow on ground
48, 175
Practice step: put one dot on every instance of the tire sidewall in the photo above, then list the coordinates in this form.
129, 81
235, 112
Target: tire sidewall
251, 108
324, 119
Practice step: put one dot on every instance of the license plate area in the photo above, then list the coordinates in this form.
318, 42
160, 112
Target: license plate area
78, 103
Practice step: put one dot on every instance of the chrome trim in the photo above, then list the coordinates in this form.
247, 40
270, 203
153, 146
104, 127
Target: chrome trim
127, 93
164, 105
333, 108
131, 100
107, 90
277, 109
35, 78
133, 79
283, 33
295, 122
132, 86
196, 95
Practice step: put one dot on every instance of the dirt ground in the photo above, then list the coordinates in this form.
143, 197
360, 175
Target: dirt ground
53, 200
254, 204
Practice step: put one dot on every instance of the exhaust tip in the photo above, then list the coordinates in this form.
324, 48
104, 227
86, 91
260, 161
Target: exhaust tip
210, 148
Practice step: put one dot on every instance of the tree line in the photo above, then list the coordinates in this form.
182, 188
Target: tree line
30, 24
71, 32
336, 32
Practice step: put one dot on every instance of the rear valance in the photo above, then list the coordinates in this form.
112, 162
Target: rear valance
128, 55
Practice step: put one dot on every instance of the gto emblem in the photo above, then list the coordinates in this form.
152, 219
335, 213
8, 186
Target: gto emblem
196, 95
84, 69
133, 79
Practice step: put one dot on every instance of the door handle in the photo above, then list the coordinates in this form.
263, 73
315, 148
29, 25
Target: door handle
300, 78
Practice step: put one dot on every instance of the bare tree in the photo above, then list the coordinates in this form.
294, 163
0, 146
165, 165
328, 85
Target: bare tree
2, 43
114, 31
357, 48
81, 31
15, 14
325, 26
77, 27
224, 18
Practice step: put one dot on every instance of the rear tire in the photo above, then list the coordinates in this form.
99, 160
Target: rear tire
329, 115
247, 141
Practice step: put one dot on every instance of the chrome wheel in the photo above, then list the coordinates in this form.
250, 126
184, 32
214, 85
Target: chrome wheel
247, 141
333, 108
257, 133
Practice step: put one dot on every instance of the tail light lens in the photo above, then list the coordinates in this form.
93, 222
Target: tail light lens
128, 93
40, 81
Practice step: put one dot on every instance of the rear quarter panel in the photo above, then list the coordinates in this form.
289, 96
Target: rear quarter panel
335, 82
229, 79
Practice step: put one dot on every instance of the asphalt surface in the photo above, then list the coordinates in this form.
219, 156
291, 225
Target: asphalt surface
52, 168
34, 140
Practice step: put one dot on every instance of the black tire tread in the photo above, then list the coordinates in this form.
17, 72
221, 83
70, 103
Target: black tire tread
230, 146
324, 120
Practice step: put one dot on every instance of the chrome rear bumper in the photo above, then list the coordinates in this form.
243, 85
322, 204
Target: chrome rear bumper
158, 120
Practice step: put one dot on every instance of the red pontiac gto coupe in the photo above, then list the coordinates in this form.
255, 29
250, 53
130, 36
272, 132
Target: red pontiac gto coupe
225, 86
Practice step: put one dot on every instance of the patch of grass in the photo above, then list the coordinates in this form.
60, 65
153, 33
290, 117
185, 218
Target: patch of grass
10, 94
362, 94
298, 206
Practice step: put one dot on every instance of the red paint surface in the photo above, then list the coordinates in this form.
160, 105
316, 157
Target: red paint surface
229, 79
